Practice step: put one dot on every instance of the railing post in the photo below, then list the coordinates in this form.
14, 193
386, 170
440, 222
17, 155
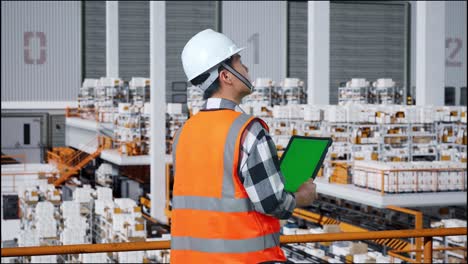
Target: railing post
427, 249
445, 252
418, 221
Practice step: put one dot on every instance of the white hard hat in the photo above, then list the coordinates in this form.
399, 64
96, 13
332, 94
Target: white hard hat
204, 52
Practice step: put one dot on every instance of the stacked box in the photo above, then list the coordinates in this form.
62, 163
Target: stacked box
450, 114
44, 259
411, 176
194, 99
387, 92
261, 100
463, 115
109, 93
130, 256
139, 91
312, 113
104, 174
86, 98
293, 91
83, 195
335, 114
94, 258
45, 220
355, 91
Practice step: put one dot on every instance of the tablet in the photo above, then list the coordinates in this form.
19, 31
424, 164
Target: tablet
302, 160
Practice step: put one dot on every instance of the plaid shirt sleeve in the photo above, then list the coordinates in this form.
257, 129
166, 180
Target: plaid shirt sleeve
260, 174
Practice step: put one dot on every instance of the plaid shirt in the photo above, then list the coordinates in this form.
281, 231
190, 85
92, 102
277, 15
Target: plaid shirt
259, 167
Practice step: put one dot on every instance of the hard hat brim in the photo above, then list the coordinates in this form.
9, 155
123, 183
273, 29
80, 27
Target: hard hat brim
234, 52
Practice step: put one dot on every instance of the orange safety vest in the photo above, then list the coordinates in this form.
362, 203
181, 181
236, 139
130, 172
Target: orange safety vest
213, 219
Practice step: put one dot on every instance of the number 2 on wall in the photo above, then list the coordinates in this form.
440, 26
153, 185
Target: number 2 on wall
452, 50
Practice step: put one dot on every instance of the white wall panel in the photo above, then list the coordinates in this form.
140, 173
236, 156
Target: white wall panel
261, 27
40, 51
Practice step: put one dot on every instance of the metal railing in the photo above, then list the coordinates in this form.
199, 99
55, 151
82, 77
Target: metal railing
71, 164
19, 171
426, 234
53, 158
418, 222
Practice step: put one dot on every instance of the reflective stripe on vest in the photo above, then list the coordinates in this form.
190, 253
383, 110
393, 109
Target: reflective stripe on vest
225, 246
212, 204
229, 147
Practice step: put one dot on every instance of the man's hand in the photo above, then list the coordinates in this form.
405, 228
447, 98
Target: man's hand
306, 194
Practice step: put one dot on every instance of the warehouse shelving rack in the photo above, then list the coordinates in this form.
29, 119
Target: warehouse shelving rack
145, 133
130, 124
102, 230
340, 139
87, 210
138, 94
261, 95
108, 97
370, 95
448, 141
173, 123
358, 146
86, 102
427, 133
338, 159
355, 95
388, 95
395, 142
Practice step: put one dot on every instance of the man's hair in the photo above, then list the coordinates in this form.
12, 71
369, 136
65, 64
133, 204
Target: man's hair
214, 87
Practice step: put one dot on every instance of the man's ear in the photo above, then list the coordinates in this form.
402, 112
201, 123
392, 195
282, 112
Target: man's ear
224, 77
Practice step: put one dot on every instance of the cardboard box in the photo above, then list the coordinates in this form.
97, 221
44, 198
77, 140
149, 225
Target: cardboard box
331, 229
358, 248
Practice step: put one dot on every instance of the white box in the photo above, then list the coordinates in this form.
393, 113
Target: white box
174, 108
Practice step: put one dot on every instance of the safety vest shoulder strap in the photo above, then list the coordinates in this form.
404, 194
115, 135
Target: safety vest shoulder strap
229, 153
235, 129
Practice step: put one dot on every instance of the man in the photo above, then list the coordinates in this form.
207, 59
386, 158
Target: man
228, 192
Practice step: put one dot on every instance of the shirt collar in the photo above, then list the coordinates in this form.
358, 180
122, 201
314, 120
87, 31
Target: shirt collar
221, 103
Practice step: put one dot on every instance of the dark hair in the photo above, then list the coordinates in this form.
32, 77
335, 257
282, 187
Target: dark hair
214, 87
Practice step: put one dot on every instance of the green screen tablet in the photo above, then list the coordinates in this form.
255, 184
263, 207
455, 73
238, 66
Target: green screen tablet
302, 160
